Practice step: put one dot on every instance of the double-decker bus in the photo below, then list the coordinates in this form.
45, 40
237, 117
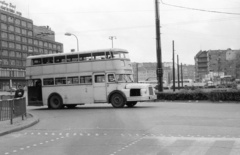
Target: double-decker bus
71, 79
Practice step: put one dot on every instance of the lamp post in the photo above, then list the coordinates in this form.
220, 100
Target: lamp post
111, 38
69, 34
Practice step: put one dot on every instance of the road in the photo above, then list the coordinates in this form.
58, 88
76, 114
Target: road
156, 128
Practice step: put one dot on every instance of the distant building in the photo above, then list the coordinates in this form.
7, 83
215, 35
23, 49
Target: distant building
212, 64
19, 39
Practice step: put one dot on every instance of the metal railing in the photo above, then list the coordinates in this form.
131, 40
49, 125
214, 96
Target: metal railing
12, 108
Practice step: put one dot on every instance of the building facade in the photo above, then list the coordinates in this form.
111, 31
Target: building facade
212, 64
20, 38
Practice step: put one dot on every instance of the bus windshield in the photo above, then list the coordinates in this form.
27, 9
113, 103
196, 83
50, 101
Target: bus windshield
124, 78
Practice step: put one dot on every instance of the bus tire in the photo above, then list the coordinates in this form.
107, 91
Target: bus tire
71, 106
55, 102
131, 104
117, 100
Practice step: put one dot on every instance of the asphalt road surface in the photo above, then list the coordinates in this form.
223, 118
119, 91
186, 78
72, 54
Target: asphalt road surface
156, 128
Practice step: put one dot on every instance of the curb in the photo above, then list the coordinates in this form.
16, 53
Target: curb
35, 121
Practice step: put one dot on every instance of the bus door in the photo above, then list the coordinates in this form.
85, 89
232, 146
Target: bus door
99, 87
35, 92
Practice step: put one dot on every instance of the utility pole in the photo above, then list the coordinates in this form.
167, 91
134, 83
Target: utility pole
111, 38
182, 75
173, 67
158, 49
178, 73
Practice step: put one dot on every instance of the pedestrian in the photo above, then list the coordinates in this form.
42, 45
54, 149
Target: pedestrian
19, 92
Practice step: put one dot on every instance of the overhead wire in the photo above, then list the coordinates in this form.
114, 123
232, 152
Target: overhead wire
196, 9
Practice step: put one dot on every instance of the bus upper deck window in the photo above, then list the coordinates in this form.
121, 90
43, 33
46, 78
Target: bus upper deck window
85, 57
59, 59
72, 58
37, 61
47, 60
99, 56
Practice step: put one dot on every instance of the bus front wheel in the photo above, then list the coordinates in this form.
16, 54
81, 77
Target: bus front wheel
118, 101
55, 102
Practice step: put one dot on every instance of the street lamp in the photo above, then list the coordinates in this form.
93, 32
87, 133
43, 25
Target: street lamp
111, 38
69, 34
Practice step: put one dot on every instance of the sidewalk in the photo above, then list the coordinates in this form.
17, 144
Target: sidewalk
18, 124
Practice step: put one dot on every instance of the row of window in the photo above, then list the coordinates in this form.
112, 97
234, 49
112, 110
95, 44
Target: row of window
26, 48
12, 73
77, 80
15, 29
16, 21
78, 57
13, 54
10, 62
13, 37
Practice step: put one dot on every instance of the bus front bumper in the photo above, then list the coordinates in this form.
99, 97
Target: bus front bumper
142, 98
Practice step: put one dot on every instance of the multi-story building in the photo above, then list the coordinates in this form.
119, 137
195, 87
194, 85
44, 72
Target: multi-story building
215, 63
20, 38
201, 65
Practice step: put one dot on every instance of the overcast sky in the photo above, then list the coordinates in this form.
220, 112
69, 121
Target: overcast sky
133, 24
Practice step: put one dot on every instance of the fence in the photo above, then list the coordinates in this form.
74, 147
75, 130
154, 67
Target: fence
12, 108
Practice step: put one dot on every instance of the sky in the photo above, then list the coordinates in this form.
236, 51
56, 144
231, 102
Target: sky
132, 22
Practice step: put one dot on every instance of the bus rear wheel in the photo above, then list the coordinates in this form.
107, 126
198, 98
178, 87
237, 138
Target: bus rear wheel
118, 101
131, 104
55, 102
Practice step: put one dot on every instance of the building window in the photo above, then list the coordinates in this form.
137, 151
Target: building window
11, 45
45, 44
12, 54
24, 40
50, 45
24, 32
4, 35
35, 42
35, 49
41, 50
30, 49
54, 46
18, 38
3, 26
24, 24
3, 17
17, 21
30, 41
30, 33
24, 55
12, 62
18, 47
59, 47
4, 44
24, 64
24, 48
11, 37
41, 43
17, 30
18, 55
18, 63
4, 53
10, 19
11, 28
29, 25
5, 61
45, 51
50, 52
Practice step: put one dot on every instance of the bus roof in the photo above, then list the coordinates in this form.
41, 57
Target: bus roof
81, 52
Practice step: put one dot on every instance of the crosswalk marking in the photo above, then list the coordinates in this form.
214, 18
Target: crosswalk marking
198, 147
